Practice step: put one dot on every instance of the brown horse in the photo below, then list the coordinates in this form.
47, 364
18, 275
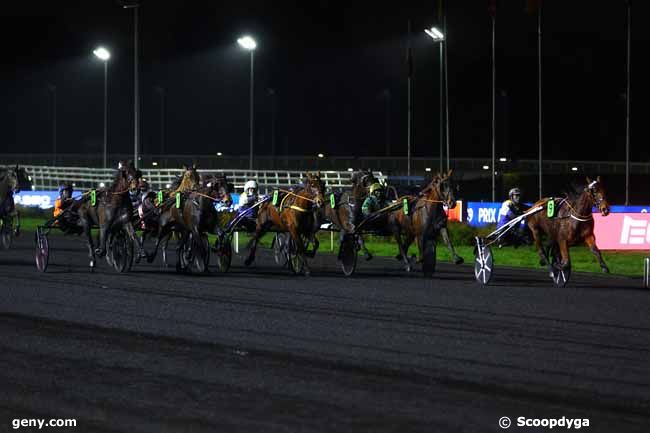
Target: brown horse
419, 222
113, 209
170, 217
427, 215
296, 214
572, 224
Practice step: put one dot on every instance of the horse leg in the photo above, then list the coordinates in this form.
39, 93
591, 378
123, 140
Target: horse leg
591, 243
252, 244
402, 251
104, 227
543, 260
406, 242
364, 248
300, 247
445, 237
564, 252
89, 243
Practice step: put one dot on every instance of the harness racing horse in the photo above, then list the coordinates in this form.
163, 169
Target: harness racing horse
170, 217
111, 210
9, 184
428, 217
571, 224
295, 214
199, 216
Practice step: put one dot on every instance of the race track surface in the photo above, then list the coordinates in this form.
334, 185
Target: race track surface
260, 350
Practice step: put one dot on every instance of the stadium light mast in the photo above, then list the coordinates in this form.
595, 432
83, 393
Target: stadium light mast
249, 44
104, 55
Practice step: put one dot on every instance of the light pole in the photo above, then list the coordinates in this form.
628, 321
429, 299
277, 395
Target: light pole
52, 88
627, 104
439, 37
103, 54
249, 44
136, 91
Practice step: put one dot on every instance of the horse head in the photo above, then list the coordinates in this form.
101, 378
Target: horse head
597, 191
442, 188
315, 186
190, 179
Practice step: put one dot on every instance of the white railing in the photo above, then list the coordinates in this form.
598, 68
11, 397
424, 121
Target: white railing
49, 178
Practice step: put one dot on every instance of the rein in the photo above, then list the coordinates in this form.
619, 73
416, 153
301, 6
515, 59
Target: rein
294, 207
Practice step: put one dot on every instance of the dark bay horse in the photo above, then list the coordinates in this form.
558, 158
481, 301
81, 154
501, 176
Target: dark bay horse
296, 214
9, 184
572, 224
427, 216
170, 216
113, 209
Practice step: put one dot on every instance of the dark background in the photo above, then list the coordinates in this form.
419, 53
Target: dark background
331, 65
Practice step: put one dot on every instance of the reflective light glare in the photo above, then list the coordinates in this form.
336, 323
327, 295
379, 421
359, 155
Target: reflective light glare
427, 169
247, 42
350, 169
102, 53
486, 167
219, 153
435, 34
102, 184
169, 185
574, 168
503, 159
154, 163
320, 155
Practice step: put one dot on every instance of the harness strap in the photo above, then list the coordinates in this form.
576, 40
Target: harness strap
299, 209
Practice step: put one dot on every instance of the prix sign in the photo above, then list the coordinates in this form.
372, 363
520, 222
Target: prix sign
622, 231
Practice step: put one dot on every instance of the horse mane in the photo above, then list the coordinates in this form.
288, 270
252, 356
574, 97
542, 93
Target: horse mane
573, 189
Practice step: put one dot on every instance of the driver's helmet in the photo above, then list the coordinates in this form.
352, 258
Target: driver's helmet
250, 187
376, 189
514, 194
65, 190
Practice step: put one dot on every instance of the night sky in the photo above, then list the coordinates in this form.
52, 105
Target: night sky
331, 65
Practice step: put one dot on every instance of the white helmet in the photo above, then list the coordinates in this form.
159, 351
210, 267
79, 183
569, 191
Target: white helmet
250, 184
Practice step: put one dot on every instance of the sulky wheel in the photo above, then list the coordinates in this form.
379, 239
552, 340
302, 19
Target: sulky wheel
280, 249
6, 233
348, 253
223, 249
483, 263
42, 251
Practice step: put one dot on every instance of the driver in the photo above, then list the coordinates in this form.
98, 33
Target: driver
250, 195
511, 209
64, 200
376, 200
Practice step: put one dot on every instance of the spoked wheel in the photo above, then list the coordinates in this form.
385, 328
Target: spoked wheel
42, 253
6, 233
483, 262
296, 260
201, 252
280, 249
559, 275
429, 257
348, 253
223, 249
121, 251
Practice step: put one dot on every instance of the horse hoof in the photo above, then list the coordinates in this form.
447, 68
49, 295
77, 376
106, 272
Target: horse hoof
368, 256
543, 262
398, 257
459, 260
99, 252
248, 262
605, 270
